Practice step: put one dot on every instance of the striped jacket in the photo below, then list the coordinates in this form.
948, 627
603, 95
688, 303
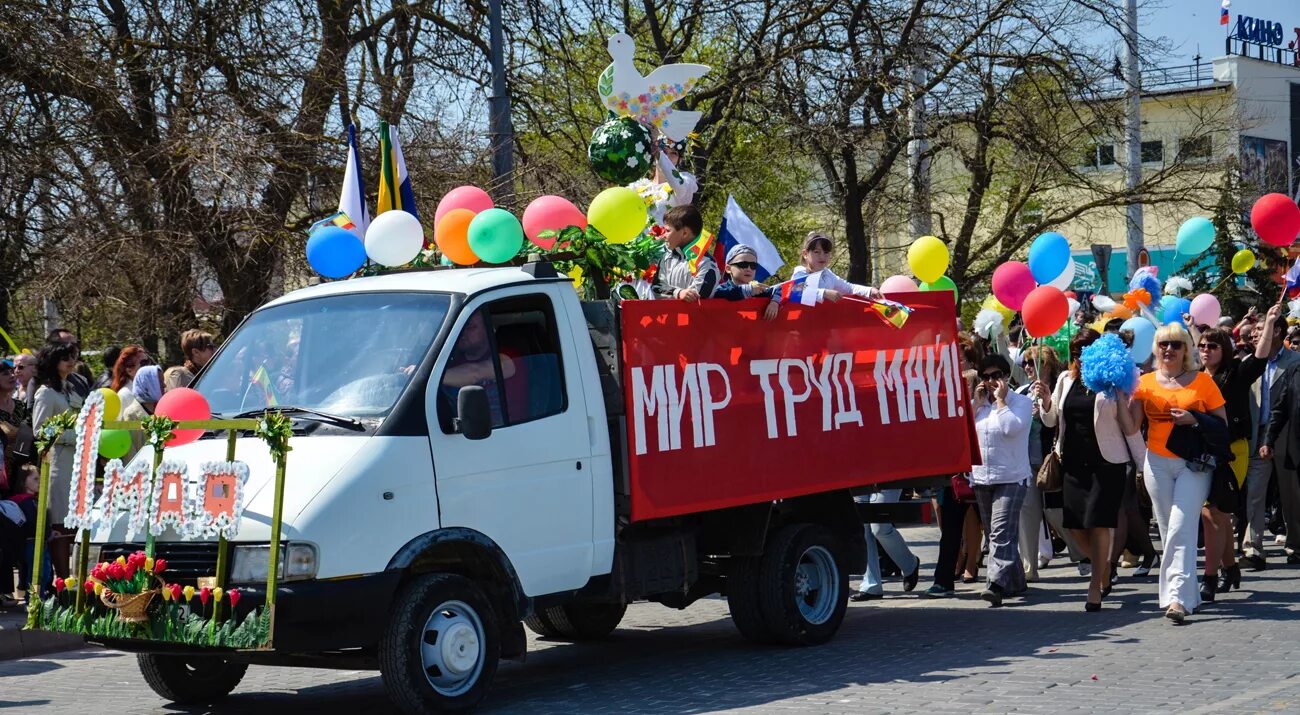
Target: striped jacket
674, 274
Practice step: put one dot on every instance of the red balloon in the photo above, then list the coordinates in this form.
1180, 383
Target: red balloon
1276, 218
1012, 281
463, 197
184, 404
550, 213
1045, 310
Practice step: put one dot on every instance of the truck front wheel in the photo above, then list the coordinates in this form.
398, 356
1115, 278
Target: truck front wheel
183, 679
441, 648
803, 587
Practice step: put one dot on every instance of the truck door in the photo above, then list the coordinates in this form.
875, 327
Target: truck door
528, 485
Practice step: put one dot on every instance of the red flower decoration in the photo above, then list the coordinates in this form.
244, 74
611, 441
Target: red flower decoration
138, 558
59, 584
176, 591
97, 573
130, 570
89, 586
116, 571
235, 595
159, 565
204, 594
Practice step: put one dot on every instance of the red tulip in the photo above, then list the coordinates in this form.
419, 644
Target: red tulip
130, 570
235, 595
89, 585
97, 573
176, 591
59, 584
116, 571
159, 565
204, 594
138, 558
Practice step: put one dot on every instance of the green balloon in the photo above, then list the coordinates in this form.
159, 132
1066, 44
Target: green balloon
944, 283
114, 443
619, 151
495, 235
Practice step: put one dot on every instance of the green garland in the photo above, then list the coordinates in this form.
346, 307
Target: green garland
603, 264
158, 430
53, 428
275, 429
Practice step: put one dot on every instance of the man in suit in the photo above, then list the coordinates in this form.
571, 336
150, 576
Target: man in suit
1276, 394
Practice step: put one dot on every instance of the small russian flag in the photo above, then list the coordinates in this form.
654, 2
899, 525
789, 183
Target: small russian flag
792, 290
1223, 12
1293, 280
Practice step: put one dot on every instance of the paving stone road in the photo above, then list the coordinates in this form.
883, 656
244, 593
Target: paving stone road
1042, 654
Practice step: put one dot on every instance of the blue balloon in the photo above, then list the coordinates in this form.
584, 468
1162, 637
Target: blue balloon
1172, 310
1195, 236
1144, 333
1049, 255
335, 252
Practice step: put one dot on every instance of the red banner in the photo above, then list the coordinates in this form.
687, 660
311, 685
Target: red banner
725, 409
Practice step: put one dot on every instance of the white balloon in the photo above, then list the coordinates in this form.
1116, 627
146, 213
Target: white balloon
1074, 305
394, 238
1062, 282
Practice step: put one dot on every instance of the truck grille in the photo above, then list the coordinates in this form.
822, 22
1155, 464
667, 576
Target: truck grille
186, 561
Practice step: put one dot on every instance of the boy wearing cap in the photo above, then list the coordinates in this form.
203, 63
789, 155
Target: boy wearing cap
674, 278
739, 284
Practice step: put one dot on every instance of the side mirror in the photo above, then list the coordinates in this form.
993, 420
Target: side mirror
474, 418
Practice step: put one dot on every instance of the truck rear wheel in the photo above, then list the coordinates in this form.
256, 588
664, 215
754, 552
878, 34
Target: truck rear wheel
744, 602
183, 679
580, 621
539, 624
803, 587
442, 645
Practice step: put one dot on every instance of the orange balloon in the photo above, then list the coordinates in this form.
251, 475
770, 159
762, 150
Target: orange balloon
452, 236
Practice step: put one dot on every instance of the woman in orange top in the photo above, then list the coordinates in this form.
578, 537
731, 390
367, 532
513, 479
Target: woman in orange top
1167, 397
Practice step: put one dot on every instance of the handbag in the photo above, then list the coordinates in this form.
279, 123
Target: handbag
962, 489
1050, 477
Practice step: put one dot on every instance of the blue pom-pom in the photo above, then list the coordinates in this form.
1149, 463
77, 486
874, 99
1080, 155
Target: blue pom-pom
1106, 365
1146, 279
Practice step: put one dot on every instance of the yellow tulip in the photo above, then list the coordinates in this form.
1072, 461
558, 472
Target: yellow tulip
217, 593
189, 592
167, 594
121, 561
148, 564
99, 588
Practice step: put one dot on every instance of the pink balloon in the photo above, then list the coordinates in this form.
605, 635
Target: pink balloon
1012, 282
463, 197
182, 404
1205, 310
550, 213
898, 284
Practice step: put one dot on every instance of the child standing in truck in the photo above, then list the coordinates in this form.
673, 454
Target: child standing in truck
816, 259
674, 278
742, 267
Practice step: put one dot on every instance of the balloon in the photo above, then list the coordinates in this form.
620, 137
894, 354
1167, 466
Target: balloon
1064, 280
618, 213
1074, 304
181, 404
495, 235
898, 284
1045, 310
394, 238
452, 236
619, 151
1049, 254
944, 283
928, 258
112, 404
335, 252
1243, 261
550, 213
1172, 309
114, 443
1012, 282
1276, 218
462, 197
1143, 335
1195, 236
1205, 310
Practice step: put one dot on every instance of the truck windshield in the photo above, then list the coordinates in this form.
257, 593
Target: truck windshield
349, 354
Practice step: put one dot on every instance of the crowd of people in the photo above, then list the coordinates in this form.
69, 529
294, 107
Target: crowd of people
36, 387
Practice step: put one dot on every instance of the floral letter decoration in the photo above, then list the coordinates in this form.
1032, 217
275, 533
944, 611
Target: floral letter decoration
81, 492
220, 500
126, 489
171, 500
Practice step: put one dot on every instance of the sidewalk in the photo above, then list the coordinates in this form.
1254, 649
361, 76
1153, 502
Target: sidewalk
17, 643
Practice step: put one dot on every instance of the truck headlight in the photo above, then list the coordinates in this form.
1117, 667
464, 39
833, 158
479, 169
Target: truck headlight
251, 563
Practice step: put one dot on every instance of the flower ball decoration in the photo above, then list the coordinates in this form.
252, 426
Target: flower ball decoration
620, 151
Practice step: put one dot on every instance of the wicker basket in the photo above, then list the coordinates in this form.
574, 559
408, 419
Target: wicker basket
131, 607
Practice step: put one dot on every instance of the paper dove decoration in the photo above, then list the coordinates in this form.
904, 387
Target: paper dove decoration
649, 99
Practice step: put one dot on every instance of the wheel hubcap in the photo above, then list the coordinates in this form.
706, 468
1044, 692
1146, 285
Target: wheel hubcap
451, 650
816, 582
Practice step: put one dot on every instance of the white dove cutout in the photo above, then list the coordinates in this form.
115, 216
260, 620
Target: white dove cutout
649, 99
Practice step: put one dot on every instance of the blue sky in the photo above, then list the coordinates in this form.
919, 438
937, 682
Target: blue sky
1187, 23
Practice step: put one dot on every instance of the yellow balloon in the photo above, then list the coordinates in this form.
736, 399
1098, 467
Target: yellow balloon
112, 404
928, 258
992, 303
1243, 261
618, 213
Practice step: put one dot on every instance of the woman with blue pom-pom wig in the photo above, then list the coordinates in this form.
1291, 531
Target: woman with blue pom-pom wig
1094, 459
1166, 397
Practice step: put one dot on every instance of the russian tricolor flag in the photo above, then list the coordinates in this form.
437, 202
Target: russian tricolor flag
1293, 280
1223, 12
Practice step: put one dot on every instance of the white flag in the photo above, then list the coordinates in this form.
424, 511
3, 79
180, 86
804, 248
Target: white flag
352, 199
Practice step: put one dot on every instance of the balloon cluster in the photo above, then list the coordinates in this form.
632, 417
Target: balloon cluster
928, 258
1037, 288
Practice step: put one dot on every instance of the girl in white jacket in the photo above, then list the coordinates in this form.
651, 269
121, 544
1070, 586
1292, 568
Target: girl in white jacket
817, 252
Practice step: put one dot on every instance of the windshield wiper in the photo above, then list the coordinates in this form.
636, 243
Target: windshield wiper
293, 409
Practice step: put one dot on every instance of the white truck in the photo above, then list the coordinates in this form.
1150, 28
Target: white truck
462, 465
